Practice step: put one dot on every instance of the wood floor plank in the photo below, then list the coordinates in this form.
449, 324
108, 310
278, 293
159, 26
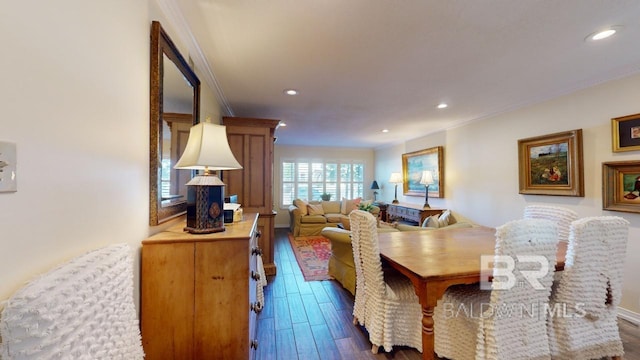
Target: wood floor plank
334, 321
305, 343
296, 309
266, 336
290, 284
281, 313
325, 343
314, 314
319, 292
286, 345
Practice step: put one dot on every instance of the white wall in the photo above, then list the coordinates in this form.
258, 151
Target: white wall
75, 90
298, 152
481, 162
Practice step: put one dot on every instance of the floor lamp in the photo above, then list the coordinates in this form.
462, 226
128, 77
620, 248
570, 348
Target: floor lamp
396, 178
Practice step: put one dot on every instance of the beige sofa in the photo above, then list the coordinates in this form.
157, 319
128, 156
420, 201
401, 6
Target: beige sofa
341, 266
309, 218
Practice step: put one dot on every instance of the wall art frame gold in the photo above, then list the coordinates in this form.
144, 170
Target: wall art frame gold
414, 163
621, 186
552, 164
625, 133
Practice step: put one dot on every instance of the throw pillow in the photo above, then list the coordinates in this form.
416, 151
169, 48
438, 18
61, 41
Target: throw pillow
432, 222
349, 205
302, 205
346, 223
443, 220
315, 209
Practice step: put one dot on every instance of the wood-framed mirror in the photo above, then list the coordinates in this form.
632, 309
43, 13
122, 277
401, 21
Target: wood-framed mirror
175, 107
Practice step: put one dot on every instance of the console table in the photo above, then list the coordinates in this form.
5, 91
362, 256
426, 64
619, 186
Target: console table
411, 212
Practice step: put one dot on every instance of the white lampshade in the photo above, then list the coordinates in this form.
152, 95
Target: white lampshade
427, 178
396, 178
208, 148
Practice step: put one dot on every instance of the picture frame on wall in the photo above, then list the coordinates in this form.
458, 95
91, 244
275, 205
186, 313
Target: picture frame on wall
625, 133
621, 186
414, 163
551, 164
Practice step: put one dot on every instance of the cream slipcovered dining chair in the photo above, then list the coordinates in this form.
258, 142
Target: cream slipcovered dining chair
584, 302
385, 304
470, 323
561, 216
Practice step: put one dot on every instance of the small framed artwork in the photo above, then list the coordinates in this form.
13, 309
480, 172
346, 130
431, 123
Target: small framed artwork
621, 186
414, 163
625, 133
551, 164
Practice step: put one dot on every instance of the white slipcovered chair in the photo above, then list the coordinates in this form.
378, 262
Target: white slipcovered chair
559, 215
470, 323
584, 302
385, 304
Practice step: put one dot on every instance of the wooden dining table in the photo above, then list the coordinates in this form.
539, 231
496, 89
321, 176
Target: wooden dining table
435, 260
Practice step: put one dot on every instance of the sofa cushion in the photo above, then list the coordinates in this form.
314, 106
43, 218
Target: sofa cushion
315, 209
331, 207
302, 205
313, 219
349, 205
431, 222
334, 218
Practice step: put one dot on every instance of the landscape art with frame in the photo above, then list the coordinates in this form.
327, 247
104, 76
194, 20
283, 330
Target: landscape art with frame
414, 163
621, 186
551, 164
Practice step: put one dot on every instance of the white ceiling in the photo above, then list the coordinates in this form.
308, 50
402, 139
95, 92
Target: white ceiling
365, 65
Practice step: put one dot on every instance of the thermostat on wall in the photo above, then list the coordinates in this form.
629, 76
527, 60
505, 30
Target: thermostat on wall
8, 180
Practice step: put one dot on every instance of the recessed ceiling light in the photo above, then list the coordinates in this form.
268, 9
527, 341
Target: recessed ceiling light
442, 106
385, 130
603, 34
291, 92
283, 124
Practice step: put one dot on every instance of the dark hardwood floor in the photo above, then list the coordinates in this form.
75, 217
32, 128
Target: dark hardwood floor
313, 320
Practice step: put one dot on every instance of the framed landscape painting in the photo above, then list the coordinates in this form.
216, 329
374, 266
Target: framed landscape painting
621, 186
551, 164
414, 163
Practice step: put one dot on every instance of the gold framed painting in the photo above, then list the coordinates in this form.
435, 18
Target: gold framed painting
621, 186
551, 164
625, 133
414, 163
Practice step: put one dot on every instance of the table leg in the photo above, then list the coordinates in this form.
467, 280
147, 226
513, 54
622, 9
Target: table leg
427, 332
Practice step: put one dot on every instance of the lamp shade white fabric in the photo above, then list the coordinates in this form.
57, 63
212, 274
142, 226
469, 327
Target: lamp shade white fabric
208, 148
396, 178
427, 178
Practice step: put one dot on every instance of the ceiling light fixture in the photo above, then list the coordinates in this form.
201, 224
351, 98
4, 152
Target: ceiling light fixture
442, 106
282, 124
291, 92
603, 34
385, 130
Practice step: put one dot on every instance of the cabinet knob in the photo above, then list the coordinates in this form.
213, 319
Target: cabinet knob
254, 344
256, 307
255, 275
258, 233
256, 251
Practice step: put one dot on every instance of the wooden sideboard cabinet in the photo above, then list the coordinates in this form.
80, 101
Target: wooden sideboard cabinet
411, 212
251, 141
198, 293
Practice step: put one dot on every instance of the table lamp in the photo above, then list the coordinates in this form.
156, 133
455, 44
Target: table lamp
374, 187
396, 178
207, 149
426, 180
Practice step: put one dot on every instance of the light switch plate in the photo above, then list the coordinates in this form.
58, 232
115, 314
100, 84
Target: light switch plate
8, 167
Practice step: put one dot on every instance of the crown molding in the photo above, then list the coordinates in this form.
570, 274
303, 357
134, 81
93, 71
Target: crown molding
172, 11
